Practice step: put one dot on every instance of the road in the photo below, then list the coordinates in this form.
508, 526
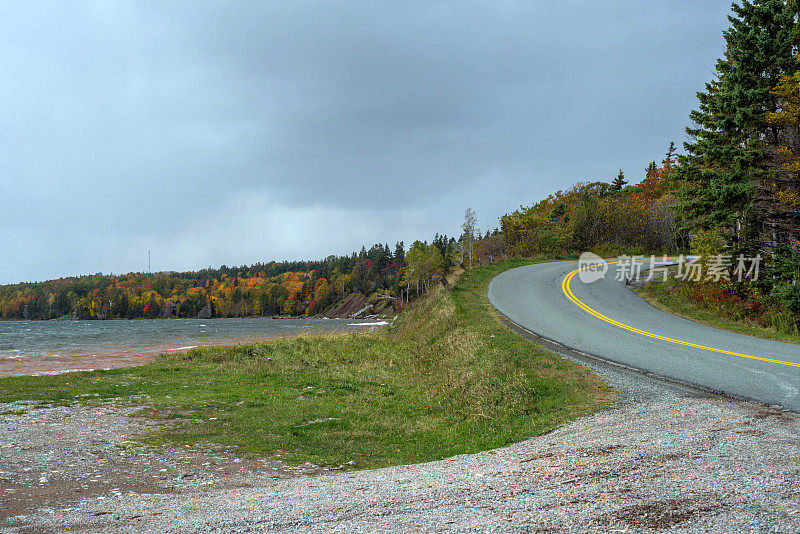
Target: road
607, 320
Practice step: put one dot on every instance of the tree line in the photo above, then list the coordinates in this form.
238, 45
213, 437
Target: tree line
263, 289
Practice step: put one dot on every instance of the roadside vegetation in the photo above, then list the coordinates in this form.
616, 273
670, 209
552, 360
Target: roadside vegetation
719, 306
446, 379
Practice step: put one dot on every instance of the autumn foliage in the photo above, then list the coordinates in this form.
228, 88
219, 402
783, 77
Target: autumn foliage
595, 215
288, 288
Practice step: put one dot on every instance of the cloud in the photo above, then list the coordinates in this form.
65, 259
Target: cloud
174, 126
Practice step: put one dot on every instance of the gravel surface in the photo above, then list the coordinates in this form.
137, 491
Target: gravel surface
664, 458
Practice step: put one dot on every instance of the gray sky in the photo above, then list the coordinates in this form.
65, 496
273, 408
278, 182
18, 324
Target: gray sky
229, 133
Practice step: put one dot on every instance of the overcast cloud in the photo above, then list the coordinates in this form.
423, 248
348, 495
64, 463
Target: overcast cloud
231, 133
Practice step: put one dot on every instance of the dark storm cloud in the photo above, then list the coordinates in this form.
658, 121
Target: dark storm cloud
231, 133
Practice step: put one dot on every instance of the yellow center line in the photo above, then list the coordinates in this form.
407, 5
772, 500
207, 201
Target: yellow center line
565, 287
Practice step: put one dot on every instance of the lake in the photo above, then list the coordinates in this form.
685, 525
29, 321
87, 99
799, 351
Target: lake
46, 347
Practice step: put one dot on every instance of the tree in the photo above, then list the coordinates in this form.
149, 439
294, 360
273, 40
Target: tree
434, 264
399, 254
424, 264
653, 185
670, 158
619, 182
782, 193
415, 266
651, 171
446, 248
468, 232
725, 161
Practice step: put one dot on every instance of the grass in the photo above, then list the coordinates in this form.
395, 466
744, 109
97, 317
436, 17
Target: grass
716, 307
448, 378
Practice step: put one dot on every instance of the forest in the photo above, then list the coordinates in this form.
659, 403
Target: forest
734, 190
264, 289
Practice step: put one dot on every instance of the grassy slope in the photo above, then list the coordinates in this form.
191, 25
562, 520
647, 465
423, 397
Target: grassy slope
447, 379
667, 296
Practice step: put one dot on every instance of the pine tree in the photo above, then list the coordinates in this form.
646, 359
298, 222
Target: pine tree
725, 161
651, 171
399, 253
619, 182
670, 157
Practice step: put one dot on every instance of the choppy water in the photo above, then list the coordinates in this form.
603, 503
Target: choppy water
30, 347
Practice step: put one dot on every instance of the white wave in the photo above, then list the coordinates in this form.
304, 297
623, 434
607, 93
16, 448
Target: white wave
14, 357
68, 371
378, 323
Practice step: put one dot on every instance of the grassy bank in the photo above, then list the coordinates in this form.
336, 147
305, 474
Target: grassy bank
448, 378
715, 305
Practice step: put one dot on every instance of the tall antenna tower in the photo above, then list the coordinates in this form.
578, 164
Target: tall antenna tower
148, 262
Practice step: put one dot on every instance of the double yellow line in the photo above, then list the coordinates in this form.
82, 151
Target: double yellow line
565, 287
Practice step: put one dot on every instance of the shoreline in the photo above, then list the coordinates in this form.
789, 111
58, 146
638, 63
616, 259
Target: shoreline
274, 317
74, 359
53, 364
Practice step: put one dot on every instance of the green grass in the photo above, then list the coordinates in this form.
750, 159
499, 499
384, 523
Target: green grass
701, 304
448, 378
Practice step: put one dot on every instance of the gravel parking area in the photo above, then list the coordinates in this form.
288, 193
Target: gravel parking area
663, 458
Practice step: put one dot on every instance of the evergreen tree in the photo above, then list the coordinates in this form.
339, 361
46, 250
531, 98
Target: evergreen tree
725, 160
399, 253
670, 157
651, 171
619, 182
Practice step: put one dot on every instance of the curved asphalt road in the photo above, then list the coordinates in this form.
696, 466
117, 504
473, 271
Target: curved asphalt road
533, 297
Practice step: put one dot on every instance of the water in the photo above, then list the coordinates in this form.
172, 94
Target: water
37, 347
